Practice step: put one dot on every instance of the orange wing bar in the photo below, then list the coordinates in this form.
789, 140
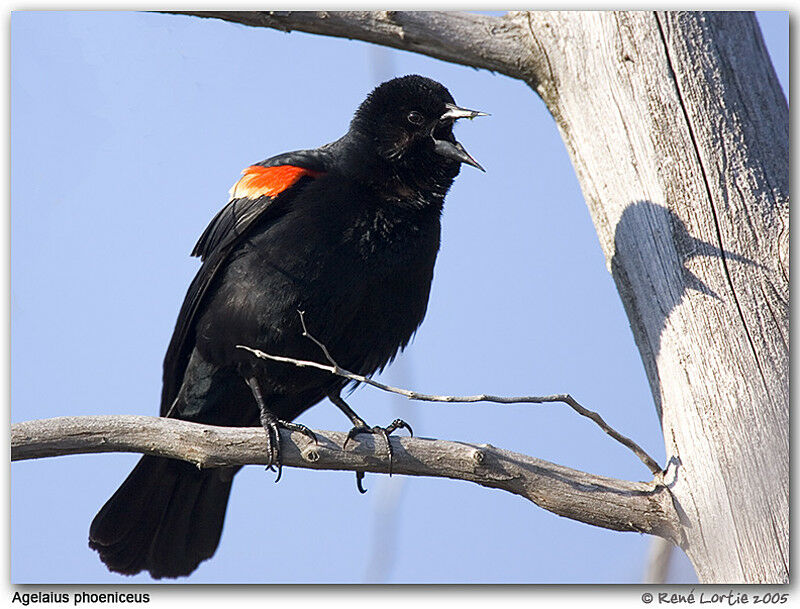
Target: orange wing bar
258, 181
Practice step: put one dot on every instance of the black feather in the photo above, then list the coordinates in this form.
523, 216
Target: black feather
354, 248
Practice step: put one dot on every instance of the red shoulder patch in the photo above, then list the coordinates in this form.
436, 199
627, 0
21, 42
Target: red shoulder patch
258, 181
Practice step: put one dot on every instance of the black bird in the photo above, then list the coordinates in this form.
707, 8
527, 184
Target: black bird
346, 233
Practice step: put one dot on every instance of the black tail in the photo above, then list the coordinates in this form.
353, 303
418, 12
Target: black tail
166, 518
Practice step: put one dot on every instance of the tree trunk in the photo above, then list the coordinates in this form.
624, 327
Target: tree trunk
678, 131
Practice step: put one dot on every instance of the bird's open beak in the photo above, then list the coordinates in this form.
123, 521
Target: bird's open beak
454, 150
455, 112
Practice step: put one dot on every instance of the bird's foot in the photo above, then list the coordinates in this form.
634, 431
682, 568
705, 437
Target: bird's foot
272, 425
381, 431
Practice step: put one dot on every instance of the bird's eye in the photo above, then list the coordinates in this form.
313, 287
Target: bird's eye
415, 118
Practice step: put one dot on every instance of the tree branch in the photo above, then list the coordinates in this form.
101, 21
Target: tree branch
605, 502
336, 369
477, 41
565, 398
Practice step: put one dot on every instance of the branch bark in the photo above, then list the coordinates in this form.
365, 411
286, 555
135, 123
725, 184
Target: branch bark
645, 507
492, 43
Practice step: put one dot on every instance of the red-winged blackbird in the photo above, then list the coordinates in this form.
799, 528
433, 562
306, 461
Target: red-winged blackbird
348, 234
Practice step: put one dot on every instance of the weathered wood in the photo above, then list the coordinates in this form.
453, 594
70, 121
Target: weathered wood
463, 38
605, 502
678, 131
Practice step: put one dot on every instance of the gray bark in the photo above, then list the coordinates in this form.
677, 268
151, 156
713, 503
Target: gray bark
678, 132
645, 507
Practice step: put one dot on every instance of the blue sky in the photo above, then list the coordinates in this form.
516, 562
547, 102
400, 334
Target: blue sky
127, 129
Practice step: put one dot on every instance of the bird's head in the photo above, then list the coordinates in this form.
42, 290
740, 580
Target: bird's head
408, 122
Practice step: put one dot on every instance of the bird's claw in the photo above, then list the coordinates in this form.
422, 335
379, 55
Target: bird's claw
272, 428
399, 424
359, 478
273, 446
300, 429
384, 433
357, 429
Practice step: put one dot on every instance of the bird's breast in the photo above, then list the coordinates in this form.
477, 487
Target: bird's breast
361, 275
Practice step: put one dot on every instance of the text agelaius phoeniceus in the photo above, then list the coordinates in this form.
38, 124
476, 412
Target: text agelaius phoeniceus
348, 234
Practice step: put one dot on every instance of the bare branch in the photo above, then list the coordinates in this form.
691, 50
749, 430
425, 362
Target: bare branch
565, 398
494, 43
605, 502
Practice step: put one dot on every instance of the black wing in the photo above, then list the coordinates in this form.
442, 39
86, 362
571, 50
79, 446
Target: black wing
264, 191
255, 192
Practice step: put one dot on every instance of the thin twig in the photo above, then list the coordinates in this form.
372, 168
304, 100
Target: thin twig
308, 335
565, 398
